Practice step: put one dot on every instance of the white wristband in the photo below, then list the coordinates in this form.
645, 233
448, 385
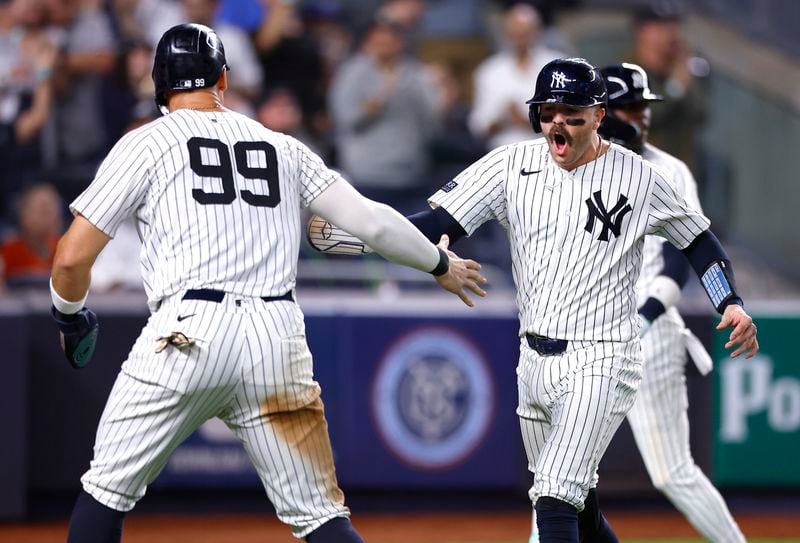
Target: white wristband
65, 306
665, 290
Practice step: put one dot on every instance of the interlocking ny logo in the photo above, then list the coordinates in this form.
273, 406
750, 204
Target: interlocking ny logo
597, 210
559, 80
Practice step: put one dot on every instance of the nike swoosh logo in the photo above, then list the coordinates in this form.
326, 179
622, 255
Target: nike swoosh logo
184, 317
526, 173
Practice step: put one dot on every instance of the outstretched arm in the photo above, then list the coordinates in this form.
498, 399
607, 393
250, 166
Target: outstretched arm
713, 267
391, 235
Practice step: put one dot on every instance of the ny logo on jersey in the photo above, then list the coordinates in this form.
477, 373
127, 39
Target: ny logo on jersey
559, 80
597, 210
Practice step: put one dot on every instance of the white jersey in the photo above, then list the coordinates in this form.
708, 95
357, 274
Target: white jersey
677, 172
216, 198
576, 237
659, 418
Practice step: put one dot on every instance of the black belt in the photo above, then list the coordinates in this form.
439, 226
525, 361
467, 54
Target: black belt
546, 346
211, 295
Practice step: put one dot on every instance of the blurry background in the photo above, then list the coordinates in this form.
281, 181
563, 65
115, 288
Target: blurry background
400, 95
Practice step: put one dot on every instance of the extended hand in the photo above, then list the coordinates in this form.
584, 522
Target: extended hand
744, 331
78, 335
461, 273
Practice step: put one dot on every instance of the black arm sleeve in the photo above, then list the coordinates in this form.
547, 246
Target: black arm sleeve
676, 266
436, 222
703, 252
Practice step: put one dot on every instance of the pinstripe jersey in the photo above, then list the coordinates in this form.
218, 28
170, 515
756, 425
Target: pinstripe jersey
216, 197
576, 236
676, 171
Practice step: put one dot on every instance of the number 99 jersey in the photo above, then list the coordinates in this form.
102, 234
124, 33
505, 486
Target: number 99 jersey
216, 198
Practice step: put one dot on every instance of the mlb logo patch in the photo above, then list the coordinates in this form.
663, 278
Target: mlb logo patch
185, 84
450, 185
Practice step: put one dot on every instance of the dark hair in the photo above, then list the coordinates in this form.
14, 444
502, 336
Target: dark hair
659, 10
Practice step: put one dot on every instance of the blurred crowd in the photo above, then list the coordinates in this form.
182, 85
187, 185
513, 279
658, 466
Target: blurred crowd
399, 95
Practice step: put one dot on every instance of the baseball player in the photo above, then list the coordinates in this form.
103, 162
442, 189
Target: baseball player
659, 417
217, 198
577, 210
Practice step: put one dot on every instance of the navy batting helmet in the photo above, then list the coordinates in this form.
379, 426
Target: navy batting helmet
188, 56
571, 81
627, 85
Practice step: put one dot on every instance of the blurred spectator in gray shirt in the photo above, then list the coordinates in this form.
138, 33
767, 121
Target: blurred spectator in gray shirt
384, 112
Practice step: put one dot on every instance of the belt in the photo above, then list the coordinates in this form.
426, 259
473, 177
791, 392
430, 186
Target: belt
211, 295
546, 346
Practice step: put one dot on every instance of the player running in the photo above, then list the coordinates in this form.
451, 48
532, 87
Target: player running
217, 200
577, 210
659, 417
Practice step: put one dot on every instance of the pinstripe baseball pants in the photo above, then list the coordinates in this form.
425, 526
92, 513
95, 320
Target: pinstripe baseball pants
570, 405
660, 425
251, 367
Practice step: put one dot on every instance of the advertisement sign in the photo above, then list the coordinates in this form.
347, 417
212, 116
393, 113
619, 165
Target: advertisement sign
757, 418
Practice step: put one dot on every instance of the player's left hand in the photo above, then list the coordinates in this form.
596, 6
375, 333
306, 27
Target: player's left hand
78, 335
461, 273
744, 331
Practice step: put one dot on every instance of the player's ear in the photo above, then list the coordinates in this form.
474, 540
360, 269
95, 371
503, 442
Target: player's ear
222, 82
599, 114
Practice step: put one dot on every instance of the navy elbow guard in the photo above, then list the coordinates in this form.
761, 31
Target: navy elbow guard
718, 284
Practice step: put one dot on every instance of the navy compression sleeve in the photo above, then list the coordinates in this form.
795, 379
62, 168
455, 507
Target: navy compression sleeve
433, 223
712, 266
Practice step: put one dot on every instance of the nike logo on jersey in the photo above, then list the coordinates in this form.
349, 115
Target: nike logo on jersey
526, 173
184, 317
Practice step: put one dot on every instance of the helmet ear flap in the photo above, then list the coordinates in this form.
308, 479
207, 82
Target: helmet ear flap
533, 117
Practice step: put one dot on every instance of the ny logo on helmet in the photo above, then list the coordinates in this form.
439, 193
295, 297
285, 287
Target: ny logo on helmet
559, 80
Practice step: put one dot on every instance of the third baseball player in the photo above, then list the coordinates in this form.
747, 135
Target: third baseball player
659, 417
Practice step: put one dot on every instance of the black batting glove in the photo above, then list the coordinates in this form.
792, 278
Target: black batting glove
78, 335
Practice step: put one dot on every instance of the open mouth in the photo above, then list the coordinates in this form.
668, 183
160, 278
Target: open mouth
560, 142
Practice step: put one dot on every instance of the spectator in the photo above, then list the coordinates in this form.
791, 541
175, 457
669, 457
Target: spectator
291, 59
246, 76
324, 21
552, 36
453, 32
280, 111
26, 60
383, 108
503, 82
88, 55
454, 146
674, 72
145, 20
128, 91
28, 255
407, 14
246, 14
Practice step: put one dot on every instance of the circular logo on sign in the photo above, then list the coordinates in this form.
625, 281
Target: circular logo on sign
433, 398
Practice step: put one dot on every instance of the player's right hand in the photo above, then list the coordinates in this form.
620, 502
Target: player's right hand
461, 274
78, 335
